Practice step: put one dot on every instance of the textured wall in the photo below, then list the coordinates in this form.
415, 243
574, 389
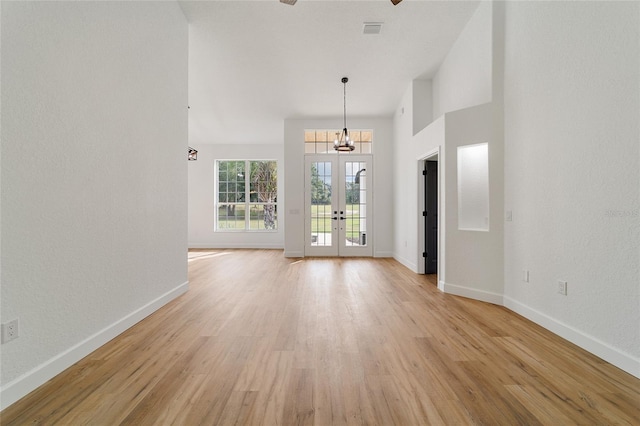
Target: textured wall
572, 166
94, 178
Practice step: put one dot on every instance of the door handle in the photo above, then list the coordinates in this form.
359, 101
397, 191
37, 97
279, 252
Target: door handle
342, 218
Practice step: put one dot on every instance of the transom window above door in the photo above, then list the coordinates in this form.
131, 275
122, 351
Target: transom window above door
321, 141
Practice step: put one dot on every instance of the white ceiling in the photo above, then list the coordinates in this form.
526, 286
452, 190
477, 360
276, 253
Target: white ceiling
253, 64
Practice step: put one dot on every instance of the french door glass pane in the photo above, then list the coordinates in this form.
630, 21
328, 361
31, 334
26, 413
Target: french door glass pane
355, 189
321, 213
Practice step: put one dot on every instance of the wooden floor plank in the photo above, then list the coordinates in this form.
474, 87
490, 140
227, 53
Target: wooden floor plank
263, 340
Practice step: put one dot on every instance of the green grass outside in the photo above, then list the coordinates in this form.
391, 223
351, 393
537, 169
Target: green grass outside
238, 222
321, 219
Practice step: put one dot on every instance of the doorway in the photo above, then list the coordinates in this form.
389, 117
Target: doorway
338, 205
430, 215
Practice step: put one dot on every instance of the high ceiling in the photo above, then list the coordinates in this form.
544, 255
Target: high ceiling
253, 64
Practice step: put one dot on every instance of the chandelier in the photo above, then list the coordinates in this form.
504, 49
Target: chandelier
343, 142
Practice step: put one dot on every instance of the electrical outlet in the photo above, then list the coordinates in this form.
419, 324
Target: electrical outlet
10, 331
562, 287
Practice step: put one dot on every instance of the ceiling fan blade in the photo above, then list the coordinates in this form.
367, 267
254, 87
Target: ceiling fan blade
291, 2
392, 1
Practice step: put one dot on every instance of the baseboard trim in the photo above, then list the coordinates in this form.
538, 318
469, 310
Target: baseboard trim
383, 254
595, 346
31, 380
406, 262
473, 293
294, 253
234, 246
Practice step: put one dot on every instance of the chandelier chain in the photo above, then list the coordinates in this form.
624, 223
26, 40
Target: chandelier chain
345, 102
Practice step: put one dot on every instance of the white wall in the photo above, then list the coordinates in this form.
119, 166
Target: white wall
472, 264
202, 232
382, 181
464, 78
94, 178
404, 235
572, 177
474, 258
422, 101
409, 150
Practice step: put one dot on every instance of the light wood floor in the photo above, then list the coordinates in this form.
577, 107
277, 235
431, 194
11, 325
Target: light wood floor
260, 339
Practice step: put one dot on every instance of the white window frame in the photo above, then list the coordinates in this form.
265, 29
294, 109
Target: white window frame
247, 199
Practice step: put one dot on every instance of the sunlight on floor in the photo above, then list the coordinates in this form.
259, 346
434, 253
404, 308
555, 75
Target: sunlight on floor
197, 255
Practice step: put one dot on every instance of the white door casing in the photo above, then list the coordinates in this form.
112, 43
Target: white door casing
338, 205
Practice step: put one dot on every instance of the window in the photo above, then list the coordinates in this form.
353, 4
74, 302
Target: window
321, 141
246, 197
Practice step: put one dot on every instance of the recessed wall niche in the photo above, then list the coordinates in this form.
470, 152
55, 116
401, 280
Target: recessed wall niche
473, 187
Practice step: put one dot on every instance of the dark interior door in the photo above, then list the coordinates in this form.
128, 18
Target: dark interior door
430, 214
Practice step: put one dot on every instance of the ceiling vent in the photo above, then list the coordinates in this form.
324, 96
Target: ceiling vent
372, 27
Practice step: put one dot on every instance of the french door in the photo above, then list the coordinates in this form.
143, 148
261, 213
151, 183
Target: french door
338, 205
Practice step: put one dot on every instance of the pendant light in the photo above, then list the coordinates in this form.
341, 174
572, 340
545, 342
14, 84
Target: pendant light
343, 142
193, 154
